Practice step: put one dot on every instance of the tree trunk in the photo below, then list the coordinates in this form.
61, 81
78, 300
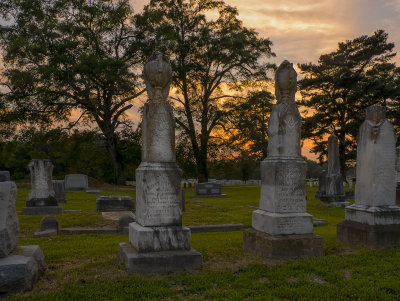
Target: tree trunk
202, 170
112, 151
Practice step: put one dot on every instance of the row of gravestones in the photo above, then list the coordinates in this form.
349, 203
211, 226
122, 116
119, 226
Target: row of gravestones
281, 227
45, 193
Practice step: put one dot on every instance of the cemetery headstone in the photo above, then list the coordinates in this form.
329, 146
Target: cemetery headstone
281, 227
41, 196
4, 176
114, 203
76, 182
374, 219
49, 222
398, 175
208, 190
59, 191
321, 185
334, 181
158, 243
19, 266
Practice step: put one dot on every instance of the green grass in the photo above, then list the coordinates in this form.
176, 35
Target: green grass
85, 267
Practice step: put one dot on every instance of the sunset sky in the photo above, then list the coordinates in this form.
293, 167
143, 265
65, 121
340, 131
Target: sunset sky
302, 30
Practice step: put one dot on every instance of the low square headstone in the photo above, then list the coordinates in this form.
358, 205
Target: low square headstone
76, 182
208, 190
114, 203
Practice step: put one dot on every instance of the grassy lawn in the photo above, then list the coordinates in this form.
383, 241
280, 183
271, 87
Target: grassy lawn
85, 267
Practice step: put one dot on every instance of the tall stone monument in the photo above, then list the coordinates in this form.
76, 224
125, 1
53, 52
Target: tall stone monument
321, 185
334, 180
41, 196
157, 241
397, 175
374, 219
281, 227
19, 266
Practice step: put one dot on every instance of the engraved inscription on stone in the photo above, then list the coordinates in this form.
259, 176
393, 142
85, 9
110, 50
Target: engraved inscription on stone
214, 191
203, 191
289, 193
289, 224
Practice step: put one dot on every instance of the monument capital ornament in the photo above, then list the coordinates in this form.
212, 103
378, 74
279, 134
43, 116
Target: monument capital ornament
375, 113
285, 83
157, 74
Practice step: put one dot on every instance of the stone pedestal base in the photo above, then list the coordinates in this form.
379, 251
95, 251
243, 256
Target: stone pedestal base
370, 236
114, 203
158, 194
336, 200
282, 246
42, 202
282, 223
42, 210
20, 269
373, 215
158, 262
154, 239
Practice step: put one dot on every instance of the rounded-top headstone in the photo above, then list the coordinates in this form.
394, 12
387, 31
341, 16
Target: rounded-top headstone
124, 222
49, 222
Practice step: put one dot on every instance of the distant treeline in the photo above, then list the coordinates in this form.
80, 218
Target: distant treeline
85, 152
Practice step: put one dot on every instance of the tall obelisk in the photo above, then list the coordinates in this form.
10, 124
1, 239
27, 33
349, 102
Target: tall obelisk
281, 227
157, 241
374, 219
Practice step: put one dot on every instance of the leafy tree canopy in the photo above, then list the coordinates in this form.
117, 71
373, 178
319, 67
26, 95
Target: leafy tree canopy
62, 56
213, 58
336, 91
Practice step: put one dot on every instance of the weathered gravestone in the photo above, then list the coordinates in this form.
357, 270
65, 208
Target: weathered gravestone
4, 176
49, 226
59, 191
321, 185
397, 175
157, 241
19, 266
208, 190
41, 196
114, 203
334, 180
76, 182
374, 219
281, 227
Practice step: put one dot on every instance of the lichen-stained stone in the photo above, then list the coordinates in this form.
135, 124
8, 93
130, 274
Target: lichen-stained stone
9, 225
